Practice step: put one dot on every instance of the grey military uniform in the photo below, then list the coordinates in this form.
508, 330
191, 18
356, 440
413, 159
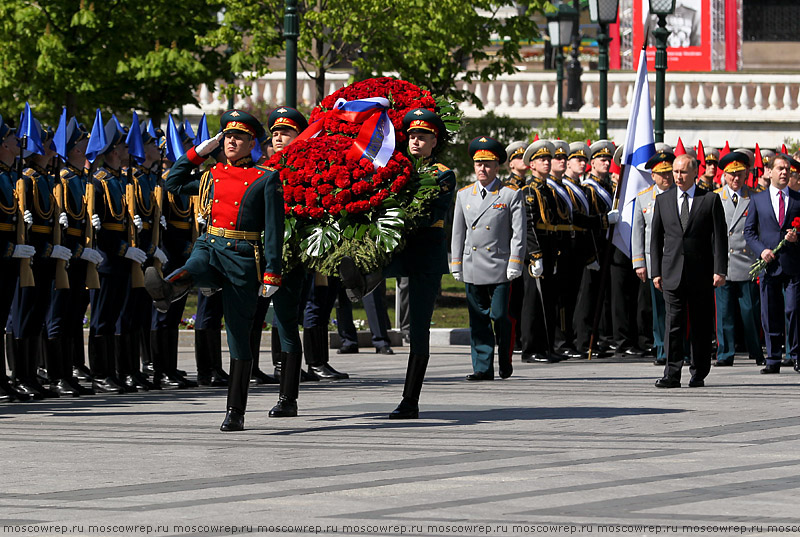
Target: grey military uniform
740, 256
488, 233
642, 224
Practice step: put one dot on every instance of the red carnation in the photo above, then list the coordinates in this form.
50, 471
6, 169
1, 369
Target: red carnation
796, 222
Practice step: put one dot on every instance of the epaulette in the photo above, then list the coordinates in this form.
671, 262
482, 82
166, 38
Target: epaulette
514, 187
265, 168
100, 174
66, 172
28, 172
470, 186
717, 191
648, 189
441, 167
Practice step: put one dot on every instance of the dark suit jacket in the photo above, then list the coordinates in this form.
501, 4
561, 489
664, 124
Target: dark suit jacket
761, 231
693, 256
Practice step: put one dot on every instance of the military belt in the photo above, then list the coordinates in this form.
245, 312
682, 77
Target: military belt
234, 233
438, 223
74, 231
179, 224
114, 227
7, 227
41, 229
145, 225
556, 227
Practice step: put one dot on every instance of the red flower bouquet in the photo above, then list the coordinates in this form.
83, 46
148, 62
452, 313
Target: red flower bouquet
757, 267
339, 202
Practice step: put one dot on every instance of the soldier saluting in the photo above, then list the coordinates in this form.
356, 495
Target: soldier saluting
239, 201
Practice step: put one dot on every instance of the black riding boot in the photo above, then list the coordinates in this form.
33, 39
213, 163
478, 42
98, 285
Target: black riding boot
25, 362
59, 367
315, 346
257, 375
409, 407
218, 375
101, 361
165, 291
290, 386
238, 383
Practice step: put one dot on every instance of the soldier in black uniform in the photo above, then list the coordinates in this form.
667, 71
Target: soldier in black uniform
12, 253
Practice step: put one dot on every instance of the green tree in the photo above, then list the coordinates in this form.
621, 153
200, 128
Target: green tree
428, 43
115, 54
561, 128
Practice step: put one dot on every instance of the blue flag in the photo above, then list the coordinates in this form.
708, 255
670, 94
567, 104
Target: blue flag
119, 125
60, 138
256, 152
202, 131
174, 146
97, 138
134, 141
151, 130
187, 128
28, 128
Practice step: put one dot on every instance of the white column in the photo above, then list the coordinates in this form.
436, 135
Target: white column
688, 102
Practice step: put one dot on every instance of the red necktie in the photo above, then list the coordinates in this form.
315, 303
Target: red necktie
781, 208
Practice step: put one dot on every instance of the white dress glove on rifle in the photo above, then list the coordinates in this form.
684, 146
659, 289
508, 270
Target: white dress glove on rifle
60, 252
23, 251
457, 277
206, 148
137, 221
161, 256
136, 255
513, 272
27, 217
63, 220
96, 222
92, 256
594, 265
613, 216
163, 221
200, 220
268, 290
537, 268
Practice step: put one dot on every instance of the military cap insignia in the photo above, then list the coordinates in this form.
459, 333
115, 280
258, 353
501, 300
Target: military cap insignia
418, 112
282, 110
482, 139
235, 114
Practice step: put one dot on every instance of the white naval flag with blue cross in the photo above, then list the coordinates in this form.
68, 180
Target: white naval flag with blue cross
639, 147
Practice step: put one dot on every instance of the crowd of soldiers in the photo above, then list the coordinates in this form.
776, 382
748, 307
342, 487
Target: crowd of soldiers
78, 237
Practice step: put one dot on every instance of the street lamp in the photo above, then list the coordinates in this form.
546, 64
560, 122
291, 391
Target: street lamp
291, 32
603, 12
560, 26
662, 8
574, 69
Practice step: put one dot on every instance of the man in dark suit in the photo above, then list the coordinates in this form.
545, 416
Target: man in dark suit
689, 253
769, 219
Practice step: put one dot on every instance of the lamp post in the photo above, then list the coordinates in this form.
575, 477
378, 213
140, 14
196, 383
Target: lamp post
603, 12
291, 32
662, 8
574, 69
560, 25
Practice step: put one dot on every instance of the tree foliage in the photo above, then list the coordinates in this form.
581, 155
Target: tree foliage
430, 44
115, 54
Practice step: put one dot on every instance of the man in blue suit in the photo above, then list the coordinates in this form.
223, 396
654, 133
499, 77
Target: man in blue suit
769, 219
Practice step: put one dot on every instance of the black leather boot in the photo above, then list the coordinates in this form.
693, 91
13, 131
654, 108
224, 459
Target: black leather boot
239, 382
408, 409
218, 375
257, 375
165, 291
123, 359
101, 361
59, 367
290, 386
25, 362
356, 284
202, 358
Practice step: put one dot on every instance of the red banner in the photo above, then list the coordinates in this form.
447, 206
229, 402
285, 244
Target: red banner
689, 41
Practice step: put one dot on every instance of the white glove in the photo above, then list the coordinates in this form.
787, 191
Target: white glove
60, 252
92, 256
457, 277
23, 251
161, 256
136, 255
513, 272
200, 220
163, 221
27, 217
268, 290
205, 148
137, 221
63, 220
537, 268
594, 265
96, 222
613, 216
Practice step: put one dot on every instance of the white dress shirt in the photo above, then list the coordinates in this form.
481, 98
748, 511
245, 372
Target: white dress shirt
773, 196
690, 192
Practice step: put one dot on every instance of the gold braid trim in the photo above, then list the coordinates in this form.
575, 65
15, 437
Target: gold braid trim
143, 210
110, 203
542, 209
65, 189
206, 183
36, 201
173, 205
11, 209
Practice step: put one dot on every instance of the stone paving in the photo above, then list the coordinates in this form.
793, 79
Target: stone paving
575, 447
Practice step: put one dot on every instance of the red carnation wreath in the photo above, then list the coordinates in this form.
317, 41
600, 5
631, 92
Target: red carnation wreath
339, 205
